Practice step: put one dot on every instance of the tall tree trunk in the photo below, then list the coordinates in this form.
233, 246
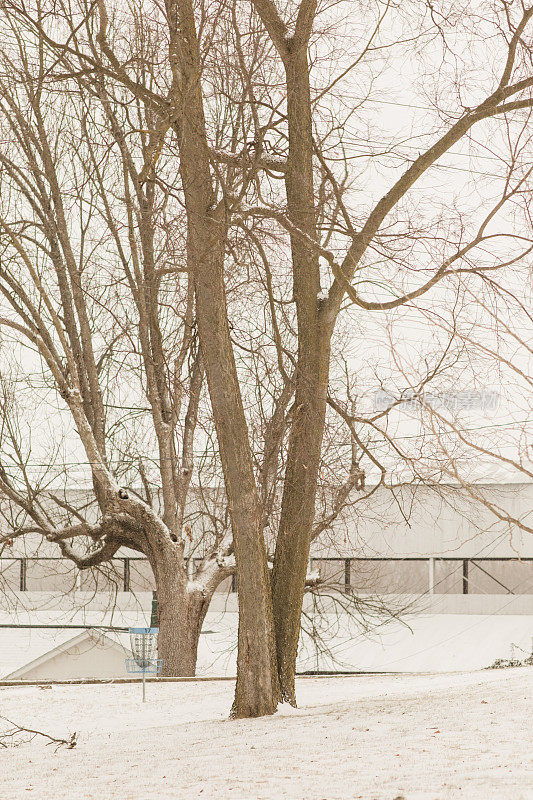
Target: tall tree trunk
305, 439
257, 690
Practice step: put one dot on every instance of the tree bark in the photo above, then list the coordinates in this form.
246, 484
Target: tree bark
181, 610
257, 691
180, 618
305, 439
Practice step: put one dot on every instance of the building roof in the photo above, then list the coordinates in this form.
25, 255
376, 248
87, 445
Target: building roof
38, 625
34, 628
28, 648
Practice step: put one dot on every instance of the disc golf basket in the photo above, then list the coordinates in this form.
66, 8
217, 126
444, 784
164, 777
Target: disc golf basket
143, 642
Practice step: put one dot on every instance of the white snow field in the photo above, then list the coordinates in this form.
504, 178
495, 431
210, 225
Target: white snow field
461, 735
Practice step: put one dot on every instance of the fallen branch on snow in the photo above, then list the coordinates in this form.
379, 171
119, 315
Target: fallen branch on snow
10, 736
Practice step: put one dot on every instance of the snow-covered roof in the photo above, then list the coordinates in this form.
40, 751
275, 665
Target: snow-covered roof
20, 646
24, 649
93, 609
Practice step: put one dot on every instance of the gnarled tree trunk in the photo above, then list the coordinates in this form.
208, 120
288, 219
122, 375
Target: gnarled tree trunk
181, 610
180, 618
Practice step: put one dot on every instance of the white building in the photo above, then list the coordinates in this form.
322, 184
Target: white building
442, 545
418, 551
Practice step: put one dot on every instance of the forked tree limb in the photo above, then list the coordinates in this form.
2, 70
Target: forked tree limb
16, 729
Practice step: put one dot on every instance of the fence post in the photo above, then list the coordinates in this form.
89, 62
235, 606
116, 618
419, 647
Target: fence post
23, 575
126, 575
431, 575
465, 576
347, 575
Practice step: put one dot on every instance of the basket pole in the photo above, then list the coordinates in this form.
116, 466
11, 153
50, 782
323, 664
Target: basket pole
144, 652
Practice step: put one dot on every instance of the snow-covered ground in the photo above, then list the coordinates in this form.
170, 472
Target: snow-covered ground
419, 737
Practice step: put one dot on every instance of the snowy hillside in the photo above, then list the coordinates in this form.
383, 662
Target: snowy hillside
420, 737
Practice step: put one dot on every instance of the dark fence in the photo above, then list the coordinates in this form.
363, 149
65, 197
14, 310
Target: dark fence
455, 575
366, 575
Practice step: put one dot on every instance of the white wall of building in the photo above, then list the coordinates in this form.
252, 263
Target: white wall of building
411, 522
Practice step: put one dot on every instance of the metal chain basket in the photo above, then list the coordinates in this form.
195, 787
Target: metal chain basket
143, 642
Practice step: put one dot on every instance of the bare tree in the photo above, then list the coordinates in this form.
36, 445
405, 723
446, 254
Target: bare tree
95, 294
317, 311
265, 149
